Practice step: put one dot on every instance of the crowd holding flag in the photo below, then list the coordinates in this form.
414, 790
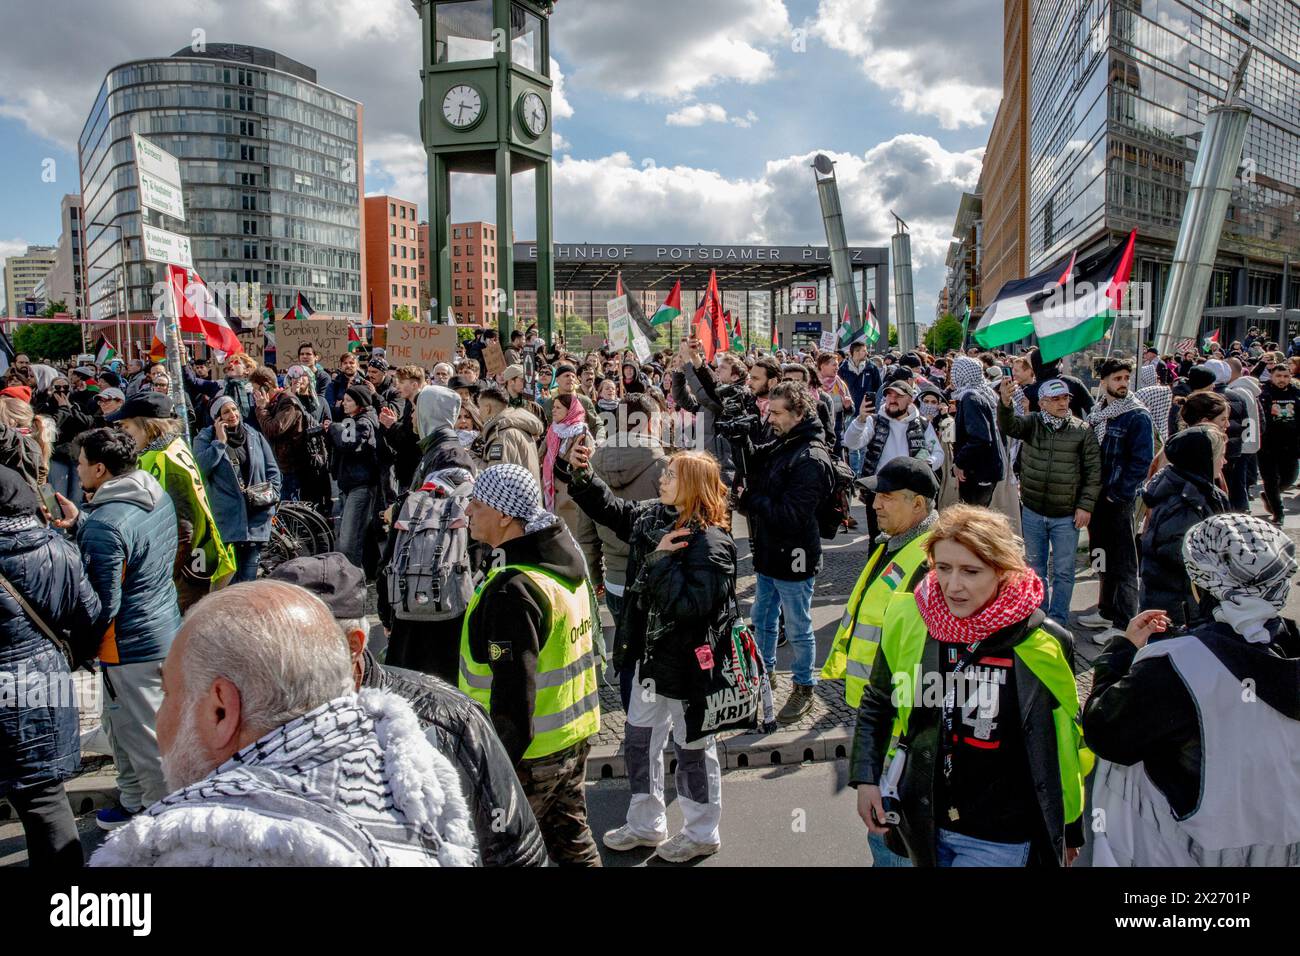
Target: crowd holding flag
104, 352
635, 312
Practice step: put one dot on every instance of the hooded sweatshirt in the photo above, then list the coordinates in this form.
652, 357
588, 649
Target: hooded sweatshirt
1253, 433
436, 411
127, 534
631, 468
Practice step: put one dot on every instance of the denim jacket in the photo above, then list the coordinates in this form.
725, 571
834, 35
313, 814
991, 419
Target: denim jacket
1126, 453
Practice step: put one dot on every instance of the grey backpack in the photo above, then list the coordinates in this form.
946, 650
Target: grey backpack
430, 577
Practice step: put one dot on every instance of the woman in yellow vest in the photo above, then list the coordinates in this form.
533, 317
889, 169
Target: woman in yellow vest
202, 560
977, 686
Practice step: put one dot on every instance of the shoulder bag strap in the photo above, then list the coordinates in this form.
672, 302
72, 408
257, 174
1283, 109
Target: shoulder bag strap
39, 621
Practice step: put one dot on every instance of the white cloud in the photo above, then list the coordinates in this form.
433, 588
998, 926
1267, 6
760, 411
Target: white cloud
560, 105
697, 114
669, 48
954, 75
402, 160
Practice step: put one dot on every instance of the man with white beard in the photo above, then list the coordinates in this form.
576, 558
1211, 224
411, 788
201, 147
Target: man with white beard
275, 760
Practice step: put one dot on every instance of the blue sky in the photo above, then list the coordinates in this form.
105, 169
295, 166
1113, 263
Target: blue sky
892, 88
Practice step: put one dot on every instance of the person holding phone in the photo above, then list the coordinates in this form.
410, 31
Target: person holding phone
681, 571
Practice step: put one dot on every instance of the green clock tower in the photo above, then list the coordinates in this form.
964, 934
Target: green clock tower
487, 109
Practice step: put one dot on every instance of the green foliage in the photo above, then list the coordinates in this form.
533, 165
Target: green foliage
944, 335
893, 335
48, 343
402, 314
464, 335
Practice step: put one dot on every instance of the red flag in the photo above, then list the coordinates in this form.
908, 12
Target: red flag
703, 329
197, 311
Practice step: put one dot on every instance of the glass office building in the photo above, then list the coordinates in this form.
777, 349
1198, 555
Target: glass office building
1120, 91
271, 168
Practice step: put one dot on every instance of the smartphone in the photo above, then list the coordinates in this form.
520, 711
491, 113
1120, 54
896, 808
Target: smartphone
51, 502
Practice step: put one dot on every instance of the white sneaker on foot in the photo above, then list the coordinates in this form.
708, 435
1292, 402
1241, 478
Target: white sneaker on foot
682, 849
1093, 620
1104, 637
624, 839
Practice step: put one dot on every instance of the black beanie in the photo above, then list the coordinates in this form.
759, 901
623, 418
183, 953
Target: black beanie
1201, 376
361, 396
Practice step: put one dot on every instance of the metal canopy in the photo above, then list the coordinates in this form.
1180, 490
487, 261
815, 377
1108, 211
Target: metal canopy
658, 267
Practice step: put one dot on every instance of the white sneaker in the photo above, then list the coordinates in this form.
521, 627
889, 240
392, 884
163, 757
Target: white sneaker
682, 849
1103, 637
1093, 620
624, 839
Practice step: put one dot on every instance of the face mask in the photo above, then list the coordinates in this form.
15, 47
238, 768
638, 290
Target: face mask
930, 411
466, 436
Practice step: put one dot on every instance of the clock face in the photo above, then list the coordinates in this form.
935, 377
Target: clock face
462, 107
532, 113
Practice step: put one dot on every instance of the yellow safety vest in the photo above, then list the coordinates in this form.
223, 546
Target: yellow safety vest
566, 709
210, 559
902, 643
856, 639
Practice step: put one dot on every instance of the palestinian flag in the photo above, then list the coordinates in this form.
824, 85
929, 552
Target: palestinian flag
1210, 342
354, 338
868, 333
892, 576
1073, 317
965, 327
268, 328
733, 332
635, 312
1008, 318
105, 353
776, 341
671, 308
844, 334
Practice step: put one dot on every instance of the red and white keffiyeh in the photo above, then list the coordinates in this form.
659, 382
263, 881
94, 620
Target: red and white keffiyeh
1017, 598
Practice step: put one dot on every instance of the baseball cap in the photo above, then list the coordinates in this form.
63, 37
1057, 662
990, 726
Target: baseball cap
512, 372
903, 386
339, 583
1053, 388
378, 363
144, 405
113, 394
903, 474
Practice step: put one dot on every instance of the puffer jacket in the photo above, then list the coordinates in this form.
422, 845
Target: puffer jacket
630, 468
127, 534
458, 728
672, 599
356, 450
510, 437
1180, 495
788, 478
41, 742
236, 521
1060, 469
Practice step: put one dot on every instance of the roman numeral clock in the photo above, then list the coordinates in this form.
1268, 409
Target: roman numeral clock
487, 109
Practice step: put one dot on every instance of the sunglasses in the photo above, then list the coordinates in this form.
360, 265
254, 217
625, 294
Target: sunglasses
61, 389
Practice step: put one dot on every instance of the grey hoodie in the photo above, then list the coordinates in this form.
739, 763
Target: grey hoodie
136, 487
435, 407
1253, 433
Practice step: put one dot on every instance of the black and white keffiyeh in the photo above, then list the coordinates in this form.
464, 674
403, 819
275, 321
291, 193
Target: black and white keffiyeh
1156, 398
1111, 408
968, 378
512, 490
1247, 565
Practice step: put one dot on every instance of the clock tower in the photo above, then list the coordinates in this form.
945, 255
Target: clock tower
487, 109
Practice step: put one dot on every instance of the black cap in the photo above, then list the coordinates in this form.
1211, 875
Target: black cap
144, 405
332, 578
460, 381
903, 385
564, 367
1201, 376
903, 474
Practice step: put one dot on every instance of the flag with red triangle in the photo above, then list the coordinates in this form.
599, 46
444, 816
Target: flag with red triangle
702, 329
735, 342
354, 338
671, 308
1210, 342
197, 311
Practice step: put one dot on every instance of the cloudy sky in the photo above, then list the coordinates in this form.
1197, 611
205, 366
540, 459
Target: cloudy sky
679, 120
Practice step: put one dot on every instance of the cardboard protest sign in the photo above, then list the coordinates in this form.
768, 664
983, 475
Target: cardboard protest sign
413, 343
494, 358
329, 337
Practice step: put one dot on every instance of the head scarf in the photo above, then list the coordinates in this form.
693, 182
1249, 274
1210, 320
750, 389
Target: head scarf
1247, 565
512, 490
1156, 398
968, 378
560, 432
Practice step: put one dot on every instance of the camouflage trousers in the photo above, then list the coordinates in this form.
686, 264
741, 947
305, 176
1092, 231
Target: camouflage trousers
554, 785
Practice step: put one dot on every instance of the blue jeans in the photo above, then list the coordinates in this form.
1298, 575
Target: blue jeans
795, 597
1062, 538
615, 604
355, 514
855, 459
882, 855
247, 554
65, 480
290, 489
956, 849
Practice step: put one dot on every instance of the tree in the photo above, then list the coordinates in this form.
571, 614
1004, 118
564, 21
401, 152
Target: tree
944, 335
402, 314
893, 335
49, 343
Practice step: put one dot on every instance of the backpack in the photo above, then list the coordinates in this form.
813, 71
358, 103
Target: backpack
834, 508
430, 576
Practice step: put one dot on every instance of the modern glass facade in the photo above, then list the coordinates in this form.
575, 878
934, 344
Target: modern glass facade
270, 164
1120, 91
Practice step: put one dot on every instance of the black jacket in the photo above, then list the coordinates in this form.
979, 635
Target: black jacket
356, 450
788, 478
401, 438
671, 599
440, 450
1181, 494
975, 444
511, 625
69, 422
1144, 713
503, 820
917, 835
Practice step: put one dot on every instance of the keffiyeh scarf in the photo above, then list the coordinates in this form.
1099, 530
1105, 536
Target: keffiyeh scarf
1017, 598
1112, 408
1247, 565
968, 378
1156, 398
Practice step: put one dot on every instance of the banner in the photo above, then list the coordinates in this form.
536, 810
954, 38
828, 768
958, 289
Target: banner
620, 323
413, 343
329, 337
494, 358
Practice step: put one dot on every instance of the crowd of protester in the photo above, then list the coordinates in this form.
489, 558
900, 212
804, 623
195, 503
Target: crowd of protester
492, 515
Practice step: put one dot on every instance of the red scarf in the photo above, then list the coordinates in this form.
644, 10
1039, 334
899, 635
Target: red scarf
1017, 598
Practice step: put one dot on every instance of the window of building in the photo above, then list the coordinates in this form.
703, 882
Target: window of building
469, 266
458, 302
455, 233
525, 39
455, 267
394, 272
463, 31
392, 209
392, 230
469, 232
455, 250
393, 247
403, 252
456, 284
